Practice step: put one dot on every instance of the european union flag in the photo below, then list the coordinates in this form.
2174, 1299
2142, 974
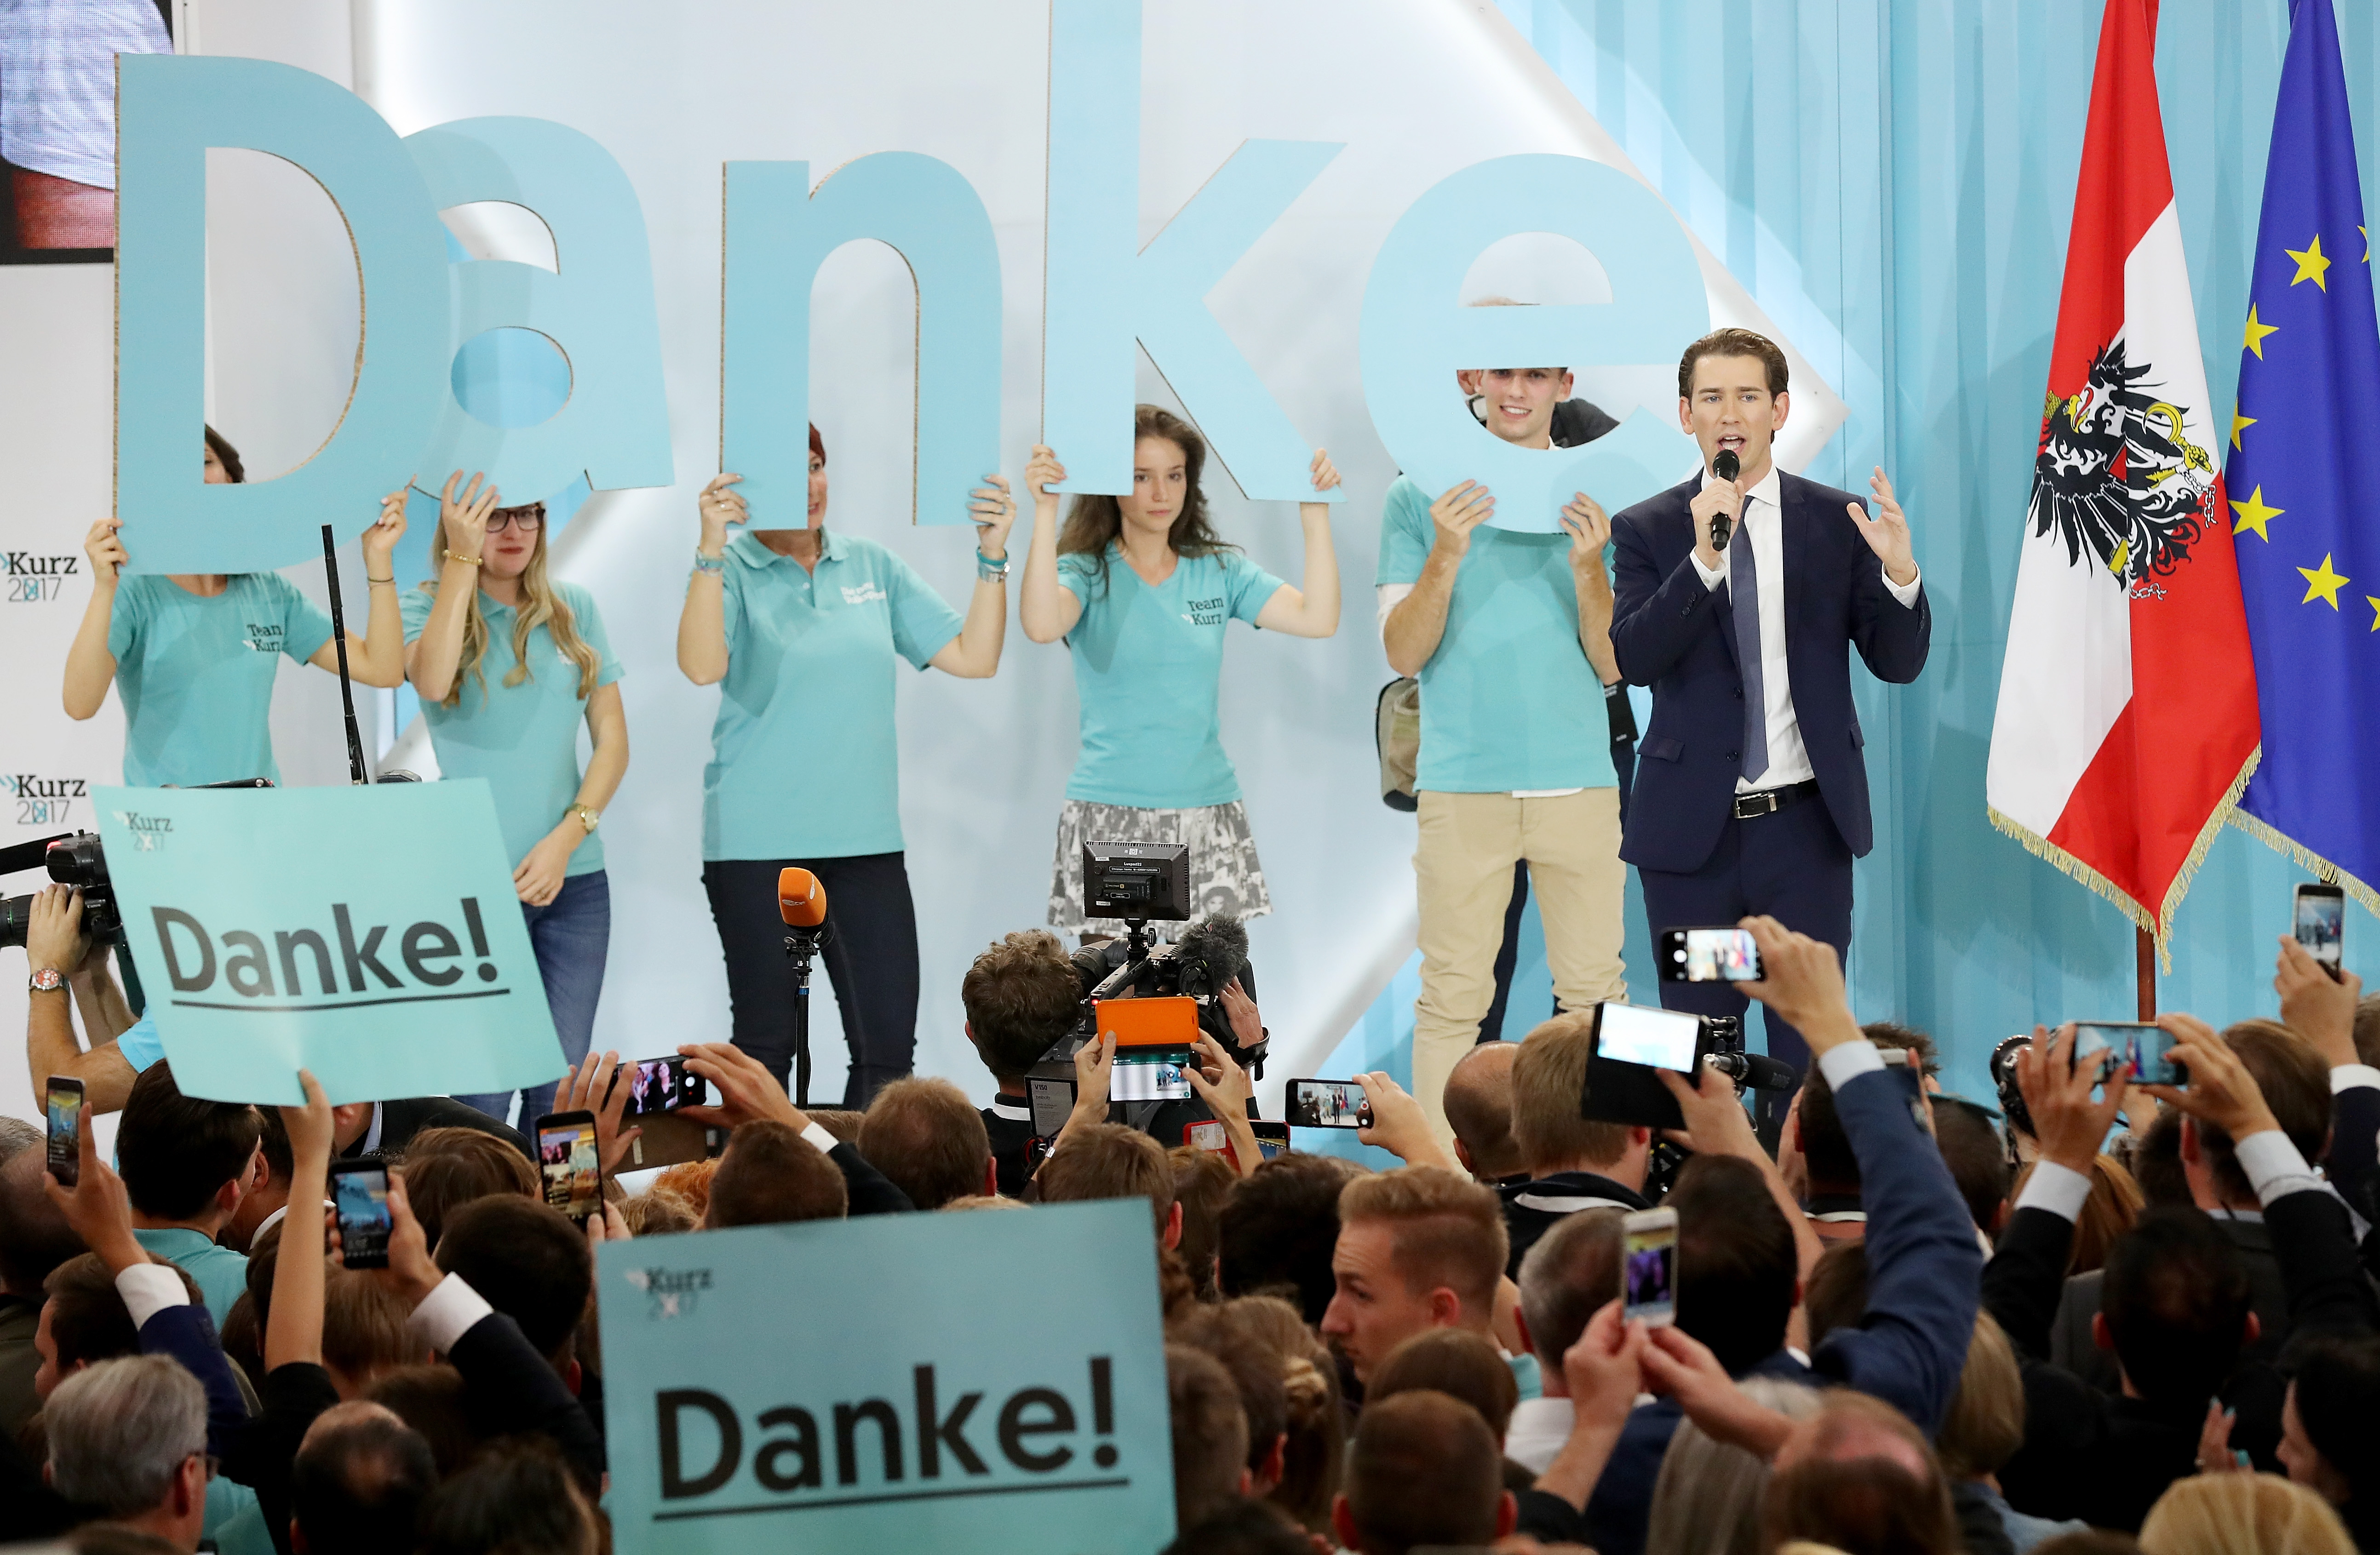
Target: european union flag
2304, 437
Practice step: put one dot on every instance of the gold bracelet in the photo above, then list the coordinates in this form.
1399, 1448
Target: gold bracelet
467, 561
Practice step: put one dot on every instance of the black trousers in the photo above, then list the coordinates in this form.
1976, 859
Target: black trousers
1792, 864
870, 957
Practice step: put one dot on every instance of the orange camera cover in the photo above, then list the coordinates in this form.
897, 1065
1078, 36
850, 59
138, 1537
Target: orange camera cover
1149, 1022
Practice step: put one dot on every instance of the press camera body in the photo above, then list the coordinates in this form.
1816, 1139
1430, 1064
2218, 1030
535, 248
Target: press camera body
72, 859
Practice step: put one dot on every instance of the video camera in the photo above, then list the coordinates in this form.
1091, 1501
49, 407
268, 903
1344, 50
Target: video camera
72, 859
1141, 883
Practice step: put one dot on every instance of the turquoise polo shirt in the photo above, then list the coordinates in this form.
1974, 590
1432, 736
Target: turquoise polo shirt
1148, 663
221, 1274
1508, 702
805, 762
523, 739
196, 674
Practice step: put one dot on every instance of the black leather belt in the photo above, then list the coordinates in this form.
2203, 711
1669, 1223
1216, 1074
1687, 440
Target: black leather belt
1768, 801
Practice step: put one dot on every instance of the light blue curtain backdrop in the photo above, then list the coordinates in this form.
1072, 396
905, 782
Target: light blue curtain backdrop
1894, 184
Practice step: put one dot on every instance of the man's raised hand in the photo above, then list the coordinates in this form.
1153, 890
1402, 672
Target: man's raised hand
1888, 533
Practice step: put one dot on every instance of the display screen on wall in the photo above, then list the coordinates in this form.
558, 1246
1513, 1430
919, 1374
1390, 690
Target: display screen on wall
57, 122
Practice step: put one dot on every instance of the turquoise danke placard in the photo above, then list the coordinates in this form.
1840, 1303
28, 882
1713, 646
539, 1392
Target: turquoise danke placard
896, 1382
370, 935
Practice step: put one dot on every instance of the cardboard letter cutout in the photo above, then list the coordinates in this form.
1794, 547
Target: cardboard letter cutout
778, 235
170, 109
1416, 336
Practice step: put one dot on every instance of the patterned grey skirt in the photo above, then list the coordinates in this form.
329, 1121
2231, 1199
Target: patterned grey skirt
1224, 874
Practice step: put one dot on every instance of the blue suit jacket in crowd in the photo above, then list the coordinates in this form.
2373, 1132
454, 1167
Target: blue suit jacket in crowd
1924, 1281
1675, 636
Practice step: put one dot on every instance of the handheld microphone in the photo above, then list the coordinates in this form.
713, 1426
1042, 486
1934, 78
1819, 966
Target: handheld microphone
1725, 467
801, 900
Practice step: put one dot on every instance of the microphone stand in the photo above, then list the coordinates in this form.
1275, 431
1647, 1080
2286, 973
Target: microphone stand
800, 946
358, 773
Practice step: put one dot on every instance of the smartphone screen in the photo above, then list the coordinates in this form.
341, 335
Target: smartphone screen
1709, 956
2321, 923
360, 1196
1641, 1034
566, 1161
1149, 1074
62, 1104
2151, 1051
1329, 1104
662, 1085
1650, 1290
1273, 1138
2116, 1039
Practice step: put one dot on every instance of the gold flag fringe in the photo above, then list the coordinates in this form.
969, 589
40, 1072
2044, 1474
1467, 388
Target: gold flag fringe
2305, 857
2160, 925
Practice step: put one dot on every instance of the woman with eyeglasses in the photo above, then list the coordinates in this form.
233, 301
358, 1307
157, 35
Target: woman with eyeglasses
508, 662
194, 655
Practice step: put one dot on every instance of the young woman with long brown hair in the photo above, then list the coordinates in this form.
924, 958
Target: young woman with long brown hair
508, 662
1141, 587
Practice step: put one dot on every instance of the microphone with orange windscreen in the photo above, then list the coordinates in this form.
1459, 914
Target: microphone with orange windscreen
801, 902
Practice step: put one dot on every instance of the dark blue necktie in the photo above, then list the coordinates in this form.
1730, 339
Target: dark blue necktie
1744, 594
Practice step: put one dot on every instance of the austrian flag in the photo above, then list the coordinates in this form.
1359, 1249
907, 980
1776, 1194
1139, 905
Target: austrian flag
2127, 720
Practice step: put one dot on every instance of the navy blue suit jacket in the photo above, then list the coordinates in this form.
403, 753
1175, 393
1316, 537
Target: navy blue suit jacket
1910, 1345
1675, 636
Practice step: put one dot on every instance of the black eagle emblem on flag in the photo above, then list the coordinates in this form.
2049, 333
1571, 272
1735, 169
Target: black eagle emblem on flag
2117, 476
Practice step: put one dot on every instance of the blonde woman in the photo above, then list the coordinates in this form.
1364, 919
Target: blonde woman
508, 663
2243, 1514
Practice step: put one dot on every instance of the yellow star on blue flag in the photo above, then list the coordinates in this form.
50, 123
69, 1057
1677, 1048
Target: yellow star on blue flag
2314, 400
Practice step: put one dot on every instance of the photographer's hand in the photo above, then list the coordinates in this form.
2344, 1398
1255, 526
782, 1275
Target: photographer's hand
747, 1090
2068, 1123
1803, 980
1401, 1127
1247, 1025
1226, 1089
2221, 1091
595, 1086
1094, 1068
410, 1274
97, 1208
2317, 1007
53, 937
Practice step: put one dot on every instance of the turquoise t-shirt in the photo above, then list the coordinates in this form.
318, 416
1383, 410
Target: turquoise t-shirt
1508, 702
523, 739
196, 676
1148, 666
805, 761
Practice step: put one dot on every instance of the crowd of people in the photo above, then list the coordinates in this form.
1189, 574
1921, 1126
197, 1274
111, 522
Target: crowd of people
2127, 1318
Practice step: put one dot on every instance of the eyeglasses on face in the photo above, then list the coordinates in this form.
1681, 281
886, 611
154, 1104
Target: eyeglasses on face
529, 519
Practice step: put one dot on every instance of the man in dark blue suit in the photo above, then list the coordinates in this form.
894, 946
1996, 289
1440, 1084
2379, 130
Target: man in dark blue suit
1751, 793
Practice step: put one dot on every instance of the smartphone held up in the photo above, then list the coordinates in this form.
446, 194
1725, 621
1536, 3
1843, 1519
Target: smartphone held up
2318, 919
569, 1165
62, 1108
360, 1197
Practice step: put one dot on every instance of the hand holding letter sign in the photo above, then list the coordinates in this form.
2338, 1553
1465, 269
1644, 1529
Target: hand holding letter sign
367, 934
901, 1412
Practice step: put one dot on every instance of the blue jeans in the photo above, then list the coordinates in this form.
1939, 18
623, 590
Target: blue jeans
572, 936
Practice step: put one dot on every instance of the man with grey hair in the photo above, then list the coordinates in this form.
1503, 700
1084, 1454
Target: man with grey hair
1571, 1272
129, 1440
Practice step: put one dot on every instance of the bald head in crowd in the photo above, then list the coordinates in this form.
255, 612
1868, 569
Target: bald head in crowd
1479, 1110
1425, 1470
1858, 1475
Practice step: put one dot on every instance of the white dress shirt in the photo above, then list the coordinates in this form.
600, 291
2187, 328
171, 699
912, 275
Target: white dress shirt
1764, 530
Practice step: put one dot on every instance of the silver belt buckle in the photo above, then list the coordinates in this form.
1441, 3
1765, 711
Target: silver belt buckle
1749, 806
